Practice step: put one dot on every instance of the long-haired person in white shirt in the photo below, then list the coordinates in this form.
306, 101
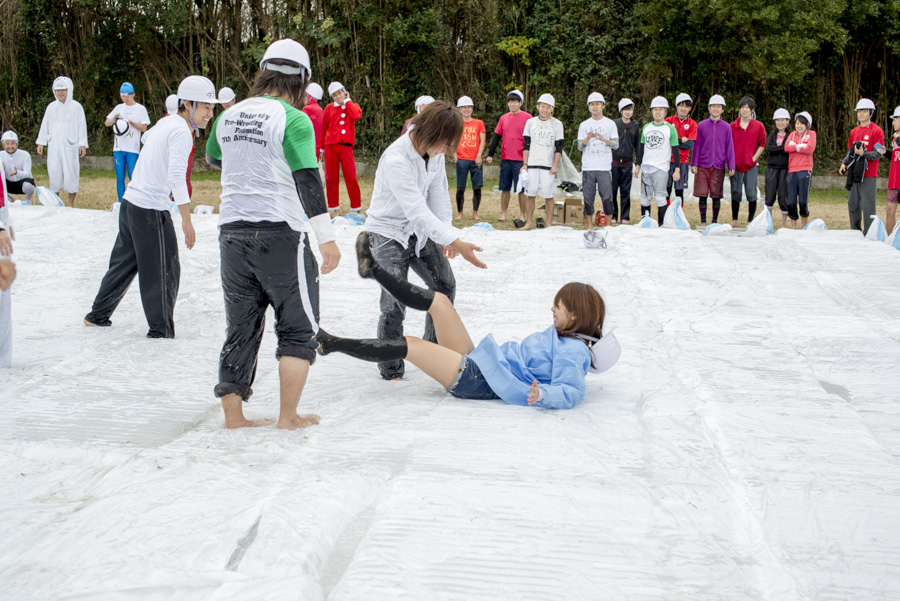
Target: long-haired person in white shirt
409, 221
146, 245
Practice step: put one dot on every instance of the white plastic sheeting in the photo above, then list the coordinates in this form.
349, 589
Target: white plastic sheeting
745, 446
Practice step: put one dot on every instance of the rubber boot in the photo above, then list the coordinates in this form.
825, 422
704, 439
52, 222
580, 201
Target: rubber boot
367, 349
662, 213
412, 296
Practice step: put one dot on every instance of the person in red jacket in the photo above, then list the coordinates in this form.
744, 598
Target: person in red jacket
893, 193
316, 114
339, 138
749, 137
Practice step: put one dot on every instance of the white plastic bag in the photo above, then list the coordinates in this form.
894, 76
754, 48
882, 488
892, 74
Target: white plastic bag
647, 223
894, 239
876, 232
761, 225
816, 225
717, 229
48, 198
675, 217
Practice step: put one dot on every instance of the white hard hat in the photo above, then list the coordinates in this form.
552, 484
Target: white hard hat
596, 97
226, 95
120, 127
172, 104
806, 115
716, 99
519, 94
334, 87
547, 99
896, 114
315, 90
659, 103
197, 88
464, 101
625, 102
683, 98
421, 102
781, 114
865, 103
9, 136
288, 50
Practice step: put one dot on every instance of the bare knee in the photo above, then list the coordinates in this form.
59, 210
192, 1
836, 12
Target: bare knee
441, 302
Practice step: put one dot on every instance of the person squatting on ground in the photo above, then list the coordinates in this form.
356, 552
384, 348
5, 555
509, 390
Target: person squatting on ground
623, 161
657, 149
893, 192
17, 167
777, 167
801, 144
409, 220
542, 152
316, 114
547, 369
510, 133
420, 103
687, 135
597, 139
7, 275
64, 133
339, 139
266, 258
865, 147
129, 120
713, 152
146, 245
748, 135
468, 157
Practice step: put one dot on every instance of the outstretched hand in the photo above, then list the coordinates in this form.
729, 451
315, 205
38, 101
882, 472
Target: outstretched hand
331, 256
534, 393
467, 250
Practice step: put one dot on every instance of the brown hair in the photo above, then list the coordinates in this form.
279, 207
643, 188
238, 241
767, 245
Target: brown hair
586, 304
439, 123
276, 83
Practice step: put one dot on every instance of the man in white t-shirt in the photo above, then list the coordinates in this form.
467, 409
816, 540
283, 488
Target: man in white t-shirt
597, 138
543, 150
128, 121
657, 149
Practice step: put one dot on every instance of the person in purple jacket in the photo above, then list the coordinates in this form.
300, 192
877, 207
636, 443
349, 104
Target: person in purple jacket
547, 369
713, 151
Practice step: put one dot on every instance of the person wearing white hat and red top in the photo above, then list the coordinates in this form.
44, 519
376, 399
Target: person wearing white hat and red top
597, 138
800, 145
893, 192
340, 138
146, 245
17, 167
129, 120
271, 198
866, 143
64, 132
316, 114
227, 97
509, 134
543, 150
687, 135
468, 157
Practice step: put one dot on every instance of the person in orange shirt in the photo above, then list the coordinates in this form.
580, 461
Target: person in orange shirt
468, 157
339, 139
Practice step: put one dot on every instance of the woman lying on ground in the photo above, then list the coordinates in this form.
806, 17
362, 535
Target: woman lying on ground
546, 369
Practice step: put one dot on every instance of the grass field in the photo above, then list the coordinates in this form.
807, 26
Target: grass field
98, 191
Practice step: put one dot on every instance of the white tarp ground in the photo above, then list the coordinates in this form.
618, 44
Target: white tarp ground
746, 446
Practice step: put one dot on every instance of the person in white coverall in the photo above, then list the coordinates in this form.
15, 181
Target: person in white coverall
64, 132
7, 274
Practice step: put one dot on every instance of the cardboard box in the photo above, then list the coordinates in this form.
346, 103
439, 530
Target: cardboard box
559, 213
574, 212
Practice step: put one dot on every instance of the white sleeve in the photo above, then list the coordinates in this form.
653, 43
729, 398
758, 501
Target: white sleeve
559, 130
82, 128
25, 172
582, 132
113, 113
324, 230
44, 133
438, 196
527, 130
417, 209
179, 149
145, 116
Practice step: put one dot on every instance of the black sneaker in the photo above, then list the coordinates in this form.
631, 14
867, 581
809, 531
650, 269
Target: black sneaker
539, 222
97, 324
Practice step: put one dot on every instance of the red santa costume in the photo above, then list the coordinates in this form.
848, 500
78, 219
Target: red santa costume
339, 138
316, 115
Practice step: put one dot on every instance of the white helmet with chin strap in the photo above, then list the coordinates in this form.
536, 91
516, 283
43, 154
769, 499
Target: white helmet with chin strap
287, 50
781, 114
865, 103
659, 103
196, 88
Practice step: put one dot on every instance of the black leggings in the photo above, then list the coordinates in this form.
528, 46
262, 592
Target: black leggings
717, 204
461, 199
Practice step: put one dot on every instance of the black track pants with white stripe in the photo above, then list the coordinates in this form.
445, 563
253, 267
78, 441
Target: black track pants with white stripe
265, 264
147, 247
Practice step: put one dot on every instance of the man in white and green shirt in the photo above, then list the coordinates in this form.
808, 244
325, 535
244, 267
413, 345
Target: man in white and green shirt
654, 155
266, 149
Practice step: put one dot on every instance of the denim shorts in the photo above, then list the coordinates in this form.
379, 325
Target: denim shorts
470, 383
509, 174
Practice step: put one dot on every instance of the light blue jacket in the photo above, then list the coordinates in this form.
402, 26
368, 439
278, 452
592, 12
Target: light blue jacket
558, 363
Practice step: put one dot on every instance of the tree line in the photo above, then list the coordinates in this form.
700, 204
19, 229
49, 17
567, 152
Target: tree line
815, 55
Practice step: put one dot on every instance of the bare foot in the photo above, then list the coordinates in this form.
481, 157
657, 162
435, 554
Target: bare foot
527, 226
475, 216
734, 223
247, 423
295, 422
502, 217
614, 222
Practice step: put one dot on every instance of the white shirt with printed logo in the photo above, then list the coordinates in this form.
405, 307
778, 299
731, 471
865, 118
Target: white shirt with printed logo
597, 155
130, 141
544, 135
